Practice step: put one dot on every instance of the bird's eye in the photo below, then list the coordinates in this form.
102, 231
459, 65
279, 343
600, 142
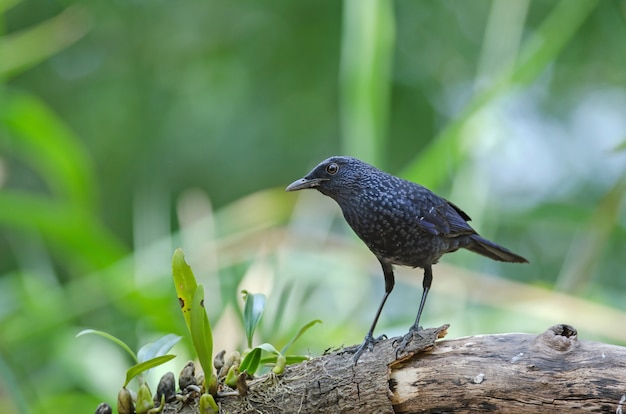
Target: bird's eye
332, 168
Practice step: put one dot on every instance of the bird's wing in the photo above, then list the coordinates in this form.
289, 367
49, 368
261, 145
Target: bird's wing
444, 219
458, 210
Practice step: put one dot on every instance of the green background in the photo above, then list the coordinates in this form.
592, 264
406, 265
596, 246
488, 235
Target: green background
130, 128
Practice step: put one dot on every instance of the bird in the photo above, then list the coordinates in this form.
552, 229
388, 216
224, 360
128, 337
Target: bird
401, 222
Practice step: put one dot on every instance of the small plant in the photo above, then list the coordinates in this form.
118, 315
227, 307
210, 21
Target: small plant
235, 369
253, 361
191, 299
149, 356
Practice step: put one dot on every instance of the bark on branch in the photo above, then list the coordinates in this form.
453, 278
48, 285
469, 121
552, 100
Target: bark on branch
514, 373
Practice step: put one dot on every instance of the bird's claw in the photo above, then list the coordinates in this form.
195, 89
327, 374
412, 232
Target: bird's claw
368, 343
406, 339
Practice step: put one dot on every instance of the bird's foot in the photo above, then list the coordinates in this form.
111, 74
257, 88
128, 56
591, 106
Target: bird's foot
406, 339
368, 343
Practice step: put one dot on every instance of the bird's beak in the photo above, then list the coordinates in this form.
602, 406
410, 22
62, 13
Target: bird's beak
303, 183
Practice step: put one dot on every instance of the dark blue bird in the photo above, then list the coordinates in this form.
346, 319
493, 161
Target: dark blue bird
401, 222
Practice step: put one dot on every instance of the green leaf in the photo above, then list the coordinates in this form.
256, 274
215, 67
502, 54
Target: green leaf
231, 376
251, 362
27, 48
66, 226
137, 369
269, 348
267, 360
253, 309
291, 359
282, 305
66, 214
110, 338
296, 359
299, 334
157, 348
201, 335
144, 400
207, 405
185, 283
44, 142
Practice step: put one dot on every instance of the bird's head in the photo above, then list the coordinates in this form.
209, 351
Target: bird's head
334, 177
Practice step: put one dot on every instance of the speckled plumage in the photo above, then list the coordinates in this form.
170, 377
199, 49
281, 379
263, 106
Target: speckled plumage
401, 222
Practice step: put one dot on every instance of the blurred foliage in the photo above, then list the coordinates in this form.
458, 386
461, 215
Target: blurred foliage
130, 128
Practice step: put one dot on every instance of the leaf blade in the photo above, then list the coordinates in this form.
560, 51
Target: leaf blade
253, 310
137, 369
157, 348
110, 338
185, 284
201, 335
251, 362
302, 330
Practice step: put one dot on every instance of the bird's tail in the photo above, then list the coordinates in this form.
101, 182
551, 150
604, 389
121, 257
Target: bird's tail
492, 250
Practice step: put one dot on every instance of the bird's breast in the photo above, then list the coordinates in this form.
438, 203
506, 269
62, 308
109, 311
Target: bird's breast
388, 227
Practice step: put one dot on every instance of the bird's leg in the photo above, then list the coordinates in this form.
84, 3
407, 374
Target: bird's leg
369, 341
427, 281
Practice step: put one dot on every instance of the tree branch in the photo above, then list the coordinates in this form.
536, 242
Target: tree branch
514, 373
